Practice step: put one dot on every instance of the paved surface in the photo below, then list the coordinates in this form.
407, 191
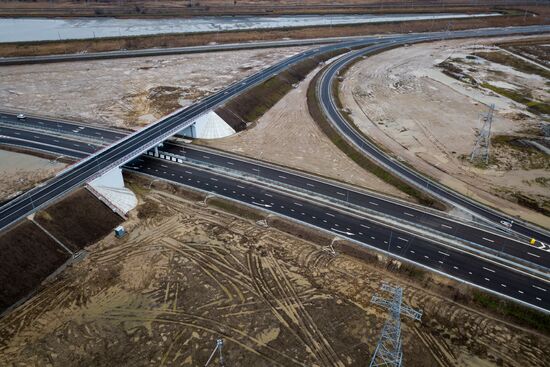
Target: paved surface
166, 51
465, 267
423, 183
451, 262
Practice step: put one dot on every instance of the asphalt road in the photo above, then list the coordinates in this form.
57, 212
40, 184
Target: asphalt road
167, 51
450, 262
454, 263
499, 244
423, 183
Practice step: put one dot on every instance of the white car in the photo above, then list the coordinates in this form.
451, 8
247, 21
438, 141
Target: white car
21, 116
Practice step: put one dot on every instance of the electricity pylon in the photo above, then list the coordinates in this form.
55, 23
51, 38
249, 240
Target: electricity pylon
388, 351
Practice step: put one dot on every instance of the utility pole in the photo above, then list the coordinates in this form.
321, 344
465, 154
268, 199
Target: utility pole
388, 351
483, 141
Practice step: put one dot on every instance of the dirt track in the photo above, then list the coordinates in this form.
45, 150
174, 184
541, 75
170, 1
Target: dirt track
186, 275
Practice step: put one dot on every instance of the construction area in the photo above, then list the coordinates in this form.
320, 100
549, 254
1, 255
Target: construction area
444, 90
229, 234
187, 275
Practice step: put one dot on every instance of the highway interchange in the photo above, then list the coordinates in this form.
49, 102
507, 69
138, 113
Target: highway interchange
452, 262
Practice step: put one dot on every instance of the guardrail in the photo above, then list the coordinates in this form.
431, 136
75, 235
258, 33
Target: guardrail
508, 260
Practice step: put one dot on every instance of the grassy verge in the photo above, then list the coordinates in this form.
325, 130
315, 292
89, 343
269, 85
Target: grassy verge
520, 315
251, 105
523, 97
236, 209
514, 62
357, 156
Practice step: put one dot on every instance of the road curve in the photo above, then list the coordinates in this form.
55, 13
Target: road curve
369, 149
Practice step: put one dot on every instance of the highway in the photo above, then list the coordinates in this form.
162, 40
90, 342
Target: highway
5, 61
451, 262
325, 96
136, 143
454, 263
497, 243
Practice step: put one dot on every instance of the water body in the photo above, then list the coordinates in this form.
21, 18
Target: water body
45, 29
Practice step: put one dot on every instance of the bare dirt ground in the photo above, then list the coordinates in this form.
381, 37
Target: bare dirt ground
20, 172
127, 92
287, 135
403, 101
186, 275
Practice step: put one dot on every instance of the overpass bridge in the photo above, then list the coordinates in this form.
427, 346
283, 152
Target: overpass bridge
133, 145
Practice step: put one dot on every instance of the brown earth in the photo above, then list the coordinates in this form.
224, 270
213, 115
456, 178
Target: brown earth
287, 135
128, 93
28, 172
438, 119
193, 39
78, 220
27, 256
139, 8
186, 275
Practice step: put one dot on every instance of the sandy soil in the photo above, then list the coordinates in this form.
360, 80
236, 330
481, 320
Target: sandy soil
28, 171
127, 92
186, 275
404, 102
287, 135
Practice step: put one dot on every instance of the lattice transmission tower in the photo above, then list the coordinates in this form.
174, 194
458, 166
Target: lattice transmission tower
388, 351
483, 142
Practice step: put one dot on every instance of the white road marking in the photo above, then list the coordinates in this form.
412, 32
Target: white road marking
346, 233
409, 214
310, 185
205, 156
443, 253
403, 239
503, 285
330, 215
441, 262
364, 226
446, 226
455, 267
520, 292
213, 179
487, 239
255, 169
269, 195
163, 166
542, 289
533, 254
340, 193
491, 270
231, 163
264, 205
538, 299
372, 238
298, 204
189, 173
412, 252
426, 256
487, 279
240, 187
370, 202
283, 177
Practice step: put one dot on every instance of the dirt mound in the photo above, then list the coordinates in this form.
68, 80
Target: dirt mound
78, 220
27, 257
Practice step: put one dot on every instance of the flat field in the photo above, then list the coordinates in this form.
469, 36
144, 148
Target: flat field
186, 275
